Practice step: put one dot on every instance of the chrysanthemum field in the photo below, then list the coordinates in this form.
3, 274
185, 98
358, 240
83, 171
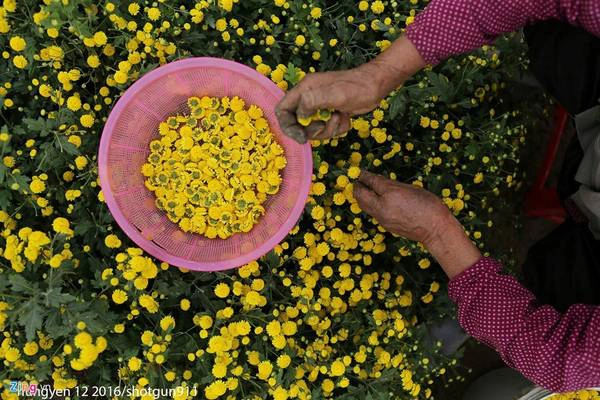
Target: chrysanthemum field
340, 309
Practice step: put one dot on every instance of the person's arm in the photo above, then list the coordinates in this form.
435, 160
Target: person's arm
449, 27
558, 351
444, 28
349, 92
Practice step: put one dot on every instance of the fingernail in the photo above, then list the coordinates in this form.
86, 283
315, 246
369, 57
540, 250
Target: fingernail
335, 123
318, 135
314, 129
302, 115
337, 126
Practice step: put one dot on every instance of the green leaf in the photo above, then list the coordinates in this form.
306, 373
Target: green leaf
272, 259
5, 199
316, 160
316, 394
20, 284
3, 171
43, 370
21, 180
55, 325
55, 297
38, 125
70, 148
442, 86
83, 227
291, 74
93, 322
397, 105
31, 318
63, 145
342, 30
472, 149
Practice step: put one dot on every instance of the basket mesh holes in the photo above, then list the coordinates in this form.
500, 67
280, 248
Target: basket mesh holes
136, 127
168, 250
149, 204
138, 216
246, 247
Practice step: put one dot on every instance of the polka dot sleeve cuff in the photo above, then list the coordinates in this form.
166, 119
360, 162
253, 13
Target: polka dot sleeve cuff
560, 352
449, 27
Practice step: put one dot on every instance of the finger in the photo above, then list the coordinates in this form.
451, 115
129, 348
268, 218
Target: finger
296, 133
345, 123
313, 87
367, 199
327, 95
308, 102
309, 89
314, 129
289, 103
375, 182
290, 127
331, 127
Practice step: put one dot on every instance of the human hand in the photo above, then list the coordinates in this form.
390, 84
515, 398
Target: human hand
350, 92
417, 214
402, 209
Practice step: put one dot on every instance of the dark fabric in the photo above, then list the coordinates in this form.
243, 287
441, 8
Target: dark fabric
567, 185
566, 61
563, 268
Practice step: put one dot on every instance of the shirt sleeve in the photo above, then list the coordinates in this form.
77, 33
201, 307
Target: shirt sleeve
449, 27
560, 352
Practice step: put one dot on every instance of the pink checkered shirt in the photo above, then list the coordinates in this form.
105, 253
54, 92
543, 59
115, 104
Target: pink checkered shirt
449, 27
560, 352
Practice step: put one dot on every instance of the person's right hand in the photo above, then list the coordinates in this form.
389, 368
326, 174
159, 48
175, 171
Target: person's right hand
417, 214
350, 92
401, 208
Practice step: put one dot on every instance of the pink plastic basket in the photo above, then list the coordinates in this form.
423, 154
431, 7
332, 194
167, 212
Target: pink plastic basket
133, 123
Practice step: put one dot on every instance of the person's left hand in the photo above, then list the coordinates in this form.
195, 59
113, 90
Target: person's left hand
402, 209
349, 92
